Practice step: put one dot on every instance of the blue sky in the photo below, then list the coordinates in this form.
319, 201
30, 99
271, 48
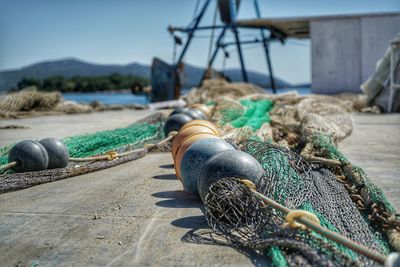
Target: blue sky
125, 31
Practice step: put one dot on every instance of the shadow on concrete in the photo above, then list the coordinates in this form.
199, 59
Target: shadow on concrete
199, 232
191, 222
178, 199
208, 237
167, 166
165, 177
166, 194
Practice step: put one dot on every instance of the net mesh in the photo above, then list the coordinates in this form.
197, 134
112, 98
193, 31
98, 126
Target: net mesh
295, 140
340, 194
98, 143
234, 213
133, 137
242, 221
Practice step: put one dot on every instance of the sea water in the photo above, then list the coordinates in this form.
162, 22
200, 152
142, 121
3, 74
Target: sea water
107, 98
129, 98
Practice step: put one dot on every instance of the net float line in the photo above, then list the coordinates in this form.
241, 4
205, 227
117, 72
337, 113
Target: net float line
299, 218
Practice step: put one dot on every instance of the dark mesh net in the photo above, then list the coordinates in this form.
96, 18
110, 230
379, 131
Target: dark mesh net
234, 213
151, 129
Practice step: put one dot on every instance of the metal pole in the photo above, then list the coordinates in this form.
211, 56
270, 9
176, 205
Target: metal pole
217, 47
192, 30
215, 53
239, 49
266, 49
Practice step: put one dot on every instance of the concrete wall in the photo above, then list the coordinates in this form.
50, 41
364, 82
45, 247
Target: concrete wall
333, 43
344, 51
377, 33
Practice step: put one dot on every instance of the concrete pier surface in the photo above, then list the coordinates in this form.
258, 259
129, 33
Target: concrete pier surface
136, 214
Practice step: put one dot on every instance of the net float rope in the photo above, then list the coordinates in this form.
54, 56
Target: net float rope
52, 153
216, 166
114, 155
300, 218
30, 155
60, 159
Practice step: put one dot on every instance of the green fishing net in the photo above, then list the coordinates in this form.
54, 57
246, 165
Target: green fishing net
254, 114
293, 182
104, 141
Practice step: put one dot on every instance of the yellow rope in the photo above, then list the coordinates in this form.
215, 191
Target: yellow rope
7, 166
292, 216
112, 155
306, 219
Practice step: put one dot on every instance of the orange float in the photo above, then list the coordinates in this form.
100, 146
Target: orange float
188, 131
201, 123
185, 145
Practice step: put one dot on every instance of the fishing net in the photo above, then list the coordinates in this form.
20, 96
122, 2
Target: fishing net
30, 101
121, 139
213, 89
295, 140
18, 181
133, 137
321, 181
243, 220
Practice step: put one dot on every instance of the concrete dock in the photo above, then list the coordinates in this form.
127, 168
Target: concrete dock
136, 214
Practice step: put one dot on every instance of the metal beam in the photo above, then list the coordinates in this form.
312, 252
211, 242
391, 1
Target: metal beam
217, 47
239, 49
266, 49
243, 42
190, 37
185, 29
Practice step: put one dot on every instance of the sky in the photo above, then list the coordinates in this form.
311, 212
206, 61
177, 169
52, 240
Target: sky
126, 31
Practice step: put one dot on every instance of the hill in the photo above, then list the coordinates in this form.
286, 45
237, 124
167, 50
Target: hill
75, 67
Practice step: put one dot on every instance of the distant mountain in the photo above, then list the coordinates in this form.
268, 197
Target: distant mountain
75, 67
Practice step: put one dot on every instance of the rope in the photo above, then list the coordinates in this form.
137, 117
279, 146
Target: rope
111, 155
8, 166
114, 155
316, 227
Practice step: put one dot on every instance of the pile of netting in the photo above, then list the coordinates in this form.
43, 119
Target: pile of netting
241, 220
131, 138
295, 139
32, 102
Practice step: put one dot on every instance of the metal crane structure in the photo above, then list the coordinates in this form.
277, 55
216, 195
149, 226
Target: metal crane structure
166, 82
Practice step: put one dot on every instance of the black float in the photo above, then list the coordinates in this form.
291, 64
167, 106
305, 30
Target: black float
57, 151
29, 156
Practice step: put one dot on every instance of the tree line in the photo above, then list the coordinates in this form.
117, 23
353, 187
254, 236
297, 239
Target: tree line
84, 83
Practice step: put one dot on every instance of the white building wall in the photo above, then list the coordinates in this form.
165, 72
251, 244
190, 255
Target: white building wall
376, 33
335, 55
344, 51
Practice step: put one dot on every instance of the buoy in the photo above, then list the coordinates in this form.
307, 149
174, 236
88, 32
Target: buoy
175, 122
185, 145
29, 155
202, 123
178, 111
392, 260
186, 132
57, 151
196, 156
230, 163
195, 114
203, 108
